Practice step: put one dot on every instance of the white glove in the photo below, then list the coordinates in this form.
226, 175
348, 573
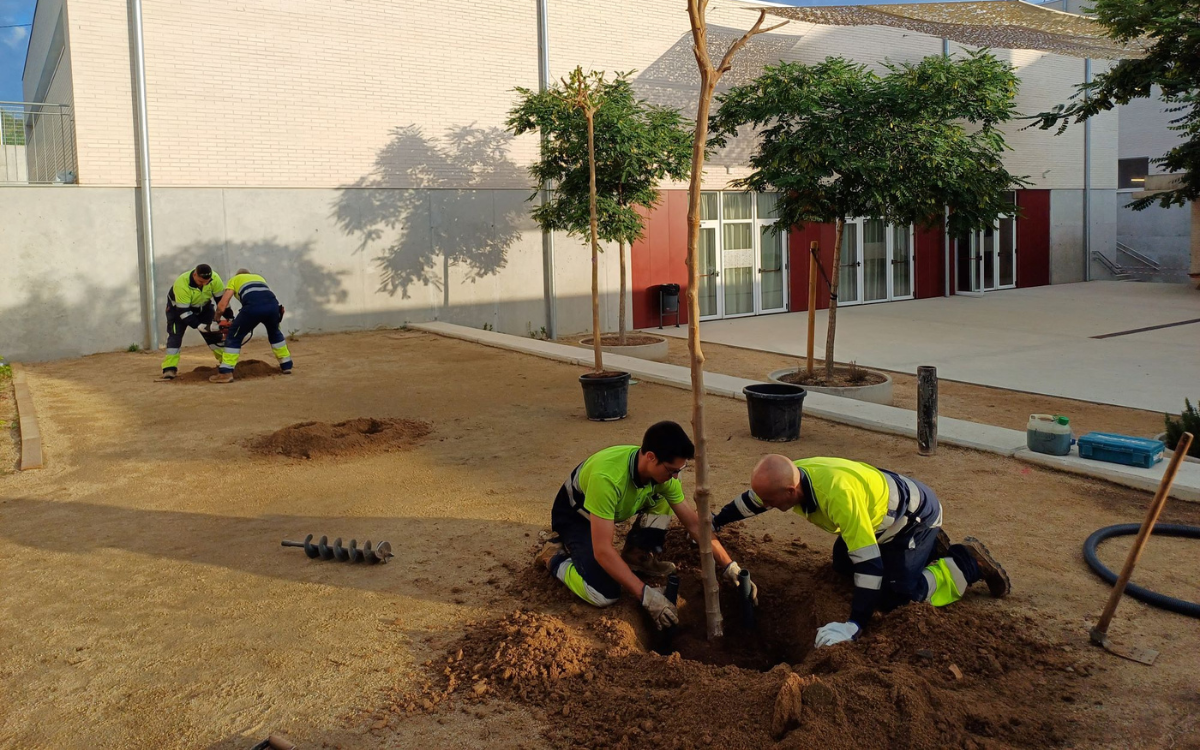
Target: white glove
836, 632
731, 573
661, 610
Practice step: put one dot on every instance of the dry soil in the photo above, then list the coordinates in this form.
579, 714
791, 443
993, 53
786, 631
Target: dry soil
147, 601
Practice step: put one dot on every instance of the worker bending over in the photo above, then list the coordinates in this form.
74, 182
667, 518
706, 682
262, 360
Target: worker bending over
259, 305
612, 486
889, 534
190, 305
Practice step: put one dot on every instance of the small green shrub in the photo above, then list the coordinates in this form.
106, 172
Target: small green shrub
488, 327
5, 369
133, 348
1189, 421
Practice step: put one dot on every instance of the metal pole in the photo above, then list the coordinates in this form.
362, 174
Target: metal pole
143, 136
1087, 178
547, 236
946, 217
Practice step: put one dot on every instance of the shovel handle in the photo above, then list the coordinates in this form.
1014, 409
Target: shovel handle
1139, 543
288, 543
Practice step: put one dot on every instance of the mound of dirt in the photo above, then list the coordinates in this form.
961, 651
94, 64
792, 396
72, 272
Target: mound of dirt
246, 370
965, 676
353, 437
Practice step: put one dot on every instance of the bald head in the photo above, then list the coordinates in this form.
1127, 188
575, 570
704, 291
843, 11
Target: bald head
776, 481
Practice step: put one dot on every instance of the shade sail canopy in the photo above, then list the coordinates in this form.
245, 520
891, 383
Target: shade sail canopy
1004, 24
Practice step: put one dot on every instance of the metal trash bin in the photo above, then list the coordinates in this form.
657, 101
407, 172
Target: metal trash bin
668, 302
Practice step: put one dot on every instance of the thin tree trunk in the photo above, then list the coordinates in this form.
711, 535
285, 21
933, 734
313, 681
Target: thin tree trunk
595, 240
709, 76
833, 299
621, 325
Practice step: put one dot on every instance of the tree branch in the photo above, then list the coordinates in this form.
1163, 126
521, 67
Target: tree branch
755, 30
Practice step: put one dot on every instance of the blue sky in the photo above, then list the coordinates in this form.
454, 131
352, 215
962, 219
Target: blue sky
13, 42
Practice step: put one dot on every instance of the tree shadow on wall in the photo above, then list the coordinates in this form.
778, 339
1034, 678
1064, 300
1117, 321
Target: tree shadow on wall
429, 205
304, 286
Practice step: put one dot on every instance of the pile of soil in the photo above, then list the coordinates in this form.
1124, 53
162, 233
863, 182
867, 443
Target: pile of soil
631, 339
965, 676
842, 377
353, 437
245, 370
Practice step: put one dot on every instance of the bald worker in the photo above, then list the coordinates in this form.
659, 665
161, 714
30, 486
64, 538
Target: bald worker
889, 534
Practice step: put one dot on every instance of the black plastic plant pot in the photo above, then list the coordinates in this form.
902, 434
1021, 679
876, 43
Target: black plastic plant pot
775, 411
606, 397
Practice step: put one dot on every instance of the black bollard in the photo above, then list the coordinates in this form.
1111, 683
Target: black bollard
927, 410
748, 620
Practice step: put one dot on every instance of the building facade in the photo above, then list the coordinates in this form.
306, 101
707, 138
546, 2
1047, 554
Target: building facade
354, 153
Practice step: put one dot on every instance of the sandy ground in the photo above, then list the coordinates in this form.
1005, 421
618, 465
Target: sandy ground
147, 602
974, 403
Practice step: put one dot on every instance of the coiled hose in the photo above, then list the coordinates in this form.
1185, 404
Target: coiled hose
1152, 598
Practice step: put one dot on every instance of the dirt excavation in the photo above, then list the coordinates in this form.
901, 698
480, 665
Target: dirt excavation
156, 607
970, 676
246, 370
351, 437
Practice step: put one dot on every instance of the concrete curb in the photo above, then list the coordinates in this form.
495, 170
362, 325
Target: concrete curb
875, 417
31, 435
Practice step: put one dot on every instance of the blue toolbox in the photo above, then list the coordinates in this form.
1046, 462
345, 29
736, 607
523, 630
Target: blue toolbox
1121, 449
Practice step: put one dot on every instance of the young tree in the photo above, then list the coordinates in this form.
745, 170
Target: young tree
566, 117
637, 145
1172, 64
837, 140
710, 75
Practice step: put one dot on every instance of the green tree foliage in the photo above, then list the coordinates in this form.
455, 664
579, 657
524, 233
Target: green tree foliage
1172, 27
1189, 421
837, 140
637, 145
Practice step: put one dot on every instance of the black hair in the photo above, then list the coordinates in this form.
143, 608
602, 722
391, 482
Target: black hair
668, 441
204, 271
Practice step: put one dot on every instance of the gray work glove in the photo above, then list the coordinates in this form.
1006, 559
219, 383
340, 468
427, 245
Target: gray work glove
731, 573
661, 610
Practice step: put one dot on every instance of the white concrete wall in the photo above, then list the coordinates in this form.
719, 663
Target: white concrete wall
70, 273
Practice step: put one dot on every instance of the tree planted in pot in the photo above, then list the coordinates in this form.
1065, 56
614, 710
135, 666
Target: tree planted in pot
838, 140
565, 114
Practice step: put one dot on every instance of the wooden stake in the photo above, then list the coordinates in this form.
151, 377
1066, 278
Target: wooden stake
1100, 632
831, 327
927, 410
812, 302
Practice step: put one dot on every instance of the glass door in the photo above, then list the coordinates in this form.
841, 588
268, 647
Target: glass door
850, 267
987, 258
709, 251
874, 260
902, 262
966, 263
1006, 254
737, 253
772, 260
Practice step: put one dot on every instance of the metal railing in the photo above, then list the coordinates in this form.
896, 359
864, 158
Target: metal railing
1139, 258
37, 143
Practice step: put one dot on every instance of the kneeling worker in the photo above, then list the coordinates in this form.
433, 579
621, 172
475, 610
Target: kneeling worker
259, 305
889, 529
612, 486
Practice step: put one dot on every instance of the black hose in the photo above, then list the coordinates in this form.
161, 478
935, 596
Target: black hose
1152, 598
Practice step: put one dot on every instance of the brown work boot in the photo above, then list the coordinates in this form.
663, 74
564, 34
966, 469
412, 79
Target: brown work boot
221, 377
643, 561
549, 550
990, 570
941, 547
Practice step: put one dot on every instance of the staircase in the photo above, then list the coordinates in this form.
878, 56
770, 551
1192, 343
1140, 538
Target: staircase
1135, 266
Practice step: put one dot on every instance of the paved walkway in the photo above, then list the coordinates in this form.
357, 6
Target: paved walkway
876, 417
1039, 340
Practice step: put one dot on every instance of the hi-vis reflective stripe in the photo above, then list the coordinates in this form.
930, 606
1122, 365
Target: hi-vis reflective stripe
172, 351
572, 489
742, 508
864, 581
866, 554
930, 584
956, 574
897, 518
653, 520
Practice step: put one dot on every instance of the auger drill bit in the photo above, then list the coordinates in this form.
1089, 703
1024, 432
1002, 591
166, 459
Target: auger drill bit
310, 549
352, 554
326, 551
339, 552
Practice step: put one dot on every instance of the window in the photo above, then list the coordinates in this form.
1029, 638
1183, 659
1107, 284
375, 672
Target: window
1131, 173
